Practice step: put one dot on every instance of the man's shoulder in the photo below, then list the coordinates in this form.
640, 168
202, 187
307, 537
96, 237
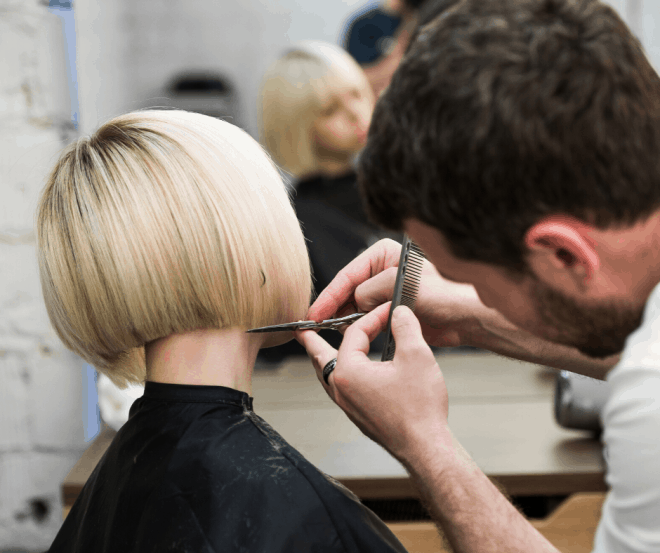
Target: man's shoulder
641, 354
631, 421
632, 412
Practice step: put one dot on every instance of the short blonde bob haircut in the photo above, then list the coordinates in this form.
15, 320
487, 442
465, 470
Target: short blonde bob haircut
294, 91
164, 222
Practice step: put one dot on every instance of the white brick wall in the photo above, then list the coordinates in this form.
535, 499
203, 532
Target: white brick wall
41, 434
236, 38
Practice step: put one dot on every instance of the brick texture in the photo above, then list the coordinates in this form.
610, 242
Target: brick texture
41, 434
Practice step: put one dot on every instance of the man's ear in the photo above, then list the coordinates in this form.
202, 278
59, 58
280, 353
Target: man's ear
559, 247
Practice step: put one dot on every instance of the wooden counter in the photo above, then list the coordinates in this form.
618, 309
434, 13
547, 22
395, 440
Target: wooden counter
500, 410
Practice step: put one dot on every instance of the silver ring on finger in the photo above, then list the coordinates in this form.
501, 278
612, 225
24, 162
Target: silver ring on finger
329, 367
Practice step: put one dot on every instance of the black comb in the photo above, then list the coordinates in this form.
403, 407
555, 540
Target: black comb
406, 287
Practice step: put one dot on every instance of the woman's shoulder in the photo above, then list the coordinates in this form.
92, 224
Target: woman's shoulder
257, 475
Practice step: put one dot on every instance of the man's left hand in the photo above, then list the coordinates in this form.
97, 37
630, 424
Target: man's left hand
396, 403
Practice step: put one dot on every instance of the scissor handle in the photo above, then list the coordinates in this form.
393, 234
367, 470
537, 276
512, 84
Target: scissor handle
335, 324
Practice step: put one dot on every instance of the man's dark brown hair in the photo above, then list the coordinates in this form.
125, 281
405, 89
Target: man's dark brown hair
505, 111
430, 9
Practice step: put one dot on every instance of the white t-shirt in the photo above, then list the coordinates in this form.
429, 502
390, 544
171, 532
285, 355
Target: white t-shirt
631, 420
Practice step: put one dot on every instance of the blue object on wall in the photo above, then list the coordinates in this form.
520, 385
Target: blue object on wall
91, 413
64, 11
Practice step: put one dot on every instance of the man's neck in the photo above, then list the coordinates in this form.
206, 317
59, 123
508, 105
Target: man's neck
634, 253
204, 357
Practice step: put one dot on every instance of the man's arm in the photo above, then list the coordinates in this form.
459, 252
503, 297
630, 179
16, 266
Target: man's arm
402, 404
450, 313
472, 512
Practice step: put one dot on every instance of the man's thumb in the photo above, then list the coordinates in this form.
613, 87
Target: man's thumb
406, 329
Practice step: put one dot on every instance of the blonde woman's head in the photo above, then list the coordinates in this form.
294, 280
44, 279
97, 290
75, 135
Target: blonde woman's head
164, 222
296, 91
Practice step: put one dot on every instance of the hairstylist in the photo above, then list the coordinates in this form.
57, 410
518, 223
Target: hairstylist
519, 145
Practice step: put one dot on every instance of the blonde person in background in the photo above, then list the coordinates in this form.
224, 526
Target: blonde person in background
162, 238
315, 107
315, 110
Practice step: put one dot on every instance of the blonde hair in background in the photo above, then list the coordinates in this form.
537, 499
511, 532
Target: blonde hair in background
164, 222
294, 91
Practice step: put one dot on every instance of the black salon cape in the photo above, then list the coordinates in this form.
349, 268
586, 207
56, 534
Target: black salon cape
195, 470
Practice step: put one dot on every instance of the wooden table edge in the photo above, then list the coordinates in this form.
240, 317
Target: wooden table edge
511, 485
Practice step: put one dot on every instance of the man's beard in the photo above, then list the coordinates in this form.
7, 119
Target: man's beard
596, 330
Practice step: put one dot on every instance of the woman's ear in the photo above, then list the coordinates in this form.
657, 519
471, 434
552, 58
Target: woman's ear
561, 249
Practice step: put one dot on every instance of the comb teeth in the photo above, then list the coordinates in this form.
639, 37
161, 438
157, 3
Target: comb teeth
406, 287
412, 276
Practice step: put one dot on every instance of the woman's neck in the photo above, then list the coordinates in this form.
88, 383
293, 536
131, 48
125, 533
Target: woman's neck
204, 357
334, 164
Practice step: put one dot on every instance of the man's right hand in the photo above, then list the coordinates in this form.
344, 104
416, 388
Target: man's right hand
450, 313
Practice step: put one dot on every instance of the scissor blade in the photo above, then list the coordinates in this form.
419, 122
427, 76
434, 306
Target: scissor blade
283, 327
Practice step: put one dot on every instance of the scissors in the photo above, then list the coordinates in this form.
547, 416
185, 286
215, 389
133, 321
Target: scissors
334, 324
